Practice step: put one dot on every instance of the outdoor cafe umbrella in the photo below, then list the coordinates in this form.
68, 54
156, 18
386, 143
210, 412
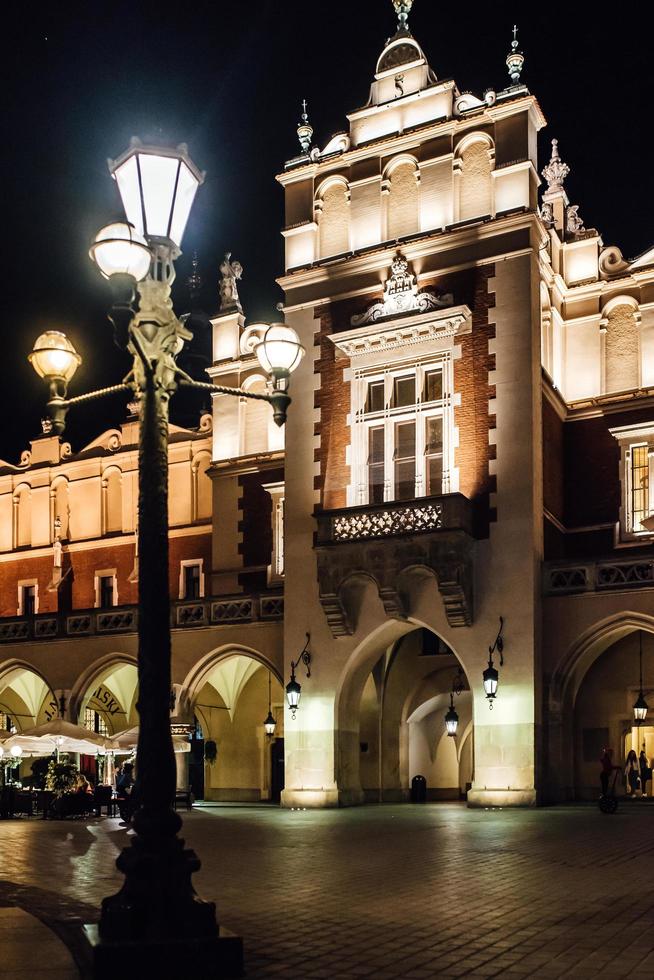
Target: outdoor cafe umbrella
58, 736
126, 742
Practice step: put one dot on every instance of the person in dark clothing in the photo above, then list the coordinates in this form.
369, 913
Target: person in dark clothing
606, 762
125, 791
632, 772
645, 771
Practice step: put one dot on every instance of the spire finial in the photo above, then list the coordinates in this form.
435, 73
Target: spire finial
194, 281
556, 171
403, 9
305, 129
515, 59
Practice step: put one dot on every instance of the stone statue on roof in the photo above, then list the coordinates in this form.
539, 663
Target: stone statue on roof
230, 272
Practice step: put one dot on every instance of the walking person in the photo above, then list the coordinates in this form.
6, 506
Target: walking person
124, 791
645, 771
606, 762
632, 772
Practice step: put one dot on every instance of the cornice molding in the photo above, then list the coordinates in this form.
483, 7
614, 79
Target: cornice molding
411, 330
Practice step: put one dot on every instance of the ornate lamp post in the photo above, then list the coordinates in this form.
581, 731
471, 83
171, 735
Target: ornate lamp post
157, 913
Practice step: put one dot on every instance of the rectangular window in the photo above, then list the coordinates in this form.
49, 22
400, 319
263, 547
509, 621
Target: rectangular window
192, 588
106, 591
28, 600
639, 486
433, 391
376, 464
404, 391
375, 398
405, 460
434, 455
94, 722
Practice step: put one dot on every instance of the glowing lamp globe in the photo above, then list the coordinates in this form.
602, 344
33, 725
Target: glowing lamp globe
293, 694
119, 249
280, 351
491, 678
451, 719
157, 186
641, 708
269, 725
54, 357
2, 752
16, 751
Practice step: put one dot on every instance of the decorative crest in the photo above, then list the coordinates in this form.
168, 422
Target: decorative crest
230, 272
574, 224
305, 129
515, 59
401, 296
556, 171
403, 9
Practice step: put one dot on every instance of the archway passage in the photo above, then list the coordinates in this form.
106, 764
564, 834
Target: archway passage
108, 702
26, 700
603, 712
233, 760
397, 729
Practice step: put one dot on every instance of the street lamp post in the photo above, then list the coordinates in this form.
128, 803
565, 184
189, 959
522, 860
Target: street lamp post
157, 913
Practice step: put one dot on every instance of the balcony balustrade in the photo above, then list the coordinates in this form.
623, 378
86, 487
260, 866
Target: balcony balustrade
603, 575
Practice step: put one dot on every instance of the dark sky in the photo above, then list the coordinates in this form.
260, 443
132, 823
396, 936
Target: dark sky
82, 77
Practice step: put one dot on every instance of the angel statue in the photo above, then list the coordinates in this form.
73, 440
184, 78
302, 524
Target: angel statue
230, 272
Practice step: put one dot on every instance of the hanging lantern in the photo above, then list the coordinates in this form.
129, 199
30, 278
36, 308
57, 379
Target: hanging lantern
269, 725
641, 706
293, 689
491, 678
451, 719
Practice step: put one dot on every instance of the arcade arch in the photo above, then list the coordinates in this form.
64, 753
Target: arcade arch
105, 696
26, 698
226, 695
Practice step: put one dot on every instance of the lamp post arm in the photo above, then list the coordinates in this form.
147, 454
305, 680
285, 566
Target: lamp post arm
99, 393
188, 382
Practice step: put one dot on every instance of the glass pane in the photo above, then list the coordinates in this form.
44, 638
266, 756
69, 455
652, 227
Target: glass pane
158, 177
639, 485
376, 464
187, 185
375, 400
404, 392
434, 435
434, 475
433, 386
405, 440
127, 179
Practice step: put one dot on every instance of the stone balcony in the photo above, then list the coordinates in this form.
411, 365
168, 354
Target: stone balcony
601, 575
185, 614
389, 544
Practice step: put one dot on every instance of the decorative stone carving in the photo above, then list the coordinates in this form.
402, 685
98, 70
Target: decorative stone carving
388, 545
547, 215
573, 222
231, 272
401, 296
515, 59
556, 171
612, 262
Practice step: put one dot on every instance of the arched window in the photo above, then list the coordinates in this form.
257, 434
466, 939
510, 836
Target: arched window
112, 509
255, 416
403, 200
333, 214
23, 516
621, 350
60, 508
475, 163
202, 490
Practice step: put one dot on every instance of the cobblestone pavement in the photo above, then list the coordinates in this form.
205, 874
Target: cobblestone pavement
392, 891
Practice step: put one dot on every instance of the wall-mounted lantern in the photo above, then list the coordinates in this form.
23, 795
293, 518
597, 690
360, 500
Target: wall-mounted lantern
491, 675
451, 716
293, 689
270, 724
641, 706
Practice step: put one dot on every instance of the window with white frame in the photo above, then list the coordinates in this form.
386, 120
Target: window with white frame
106, 589
636, 479
191, 579
403, 443
276, 567
28, 597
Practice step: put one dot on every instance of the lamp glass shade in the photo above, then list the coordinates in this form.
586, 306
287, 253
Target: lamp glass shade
119, 249
53, 356
280, 351
491, 677
293, 694
269, 724
641, 708
16, 751
157, 188
2, 751
451, 721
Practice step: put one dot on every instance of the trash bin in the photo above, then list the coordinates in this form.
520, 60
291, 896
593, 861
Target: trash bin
418, 789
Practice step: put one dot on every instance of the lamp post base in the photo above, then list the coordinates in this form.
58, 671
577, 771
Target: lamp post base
220, 957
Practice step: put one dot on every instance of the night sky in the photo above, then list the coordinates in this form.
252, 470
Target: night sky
82, 77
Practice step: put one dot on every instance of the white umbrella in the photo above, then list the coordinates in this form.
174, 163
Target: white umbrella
126, 742
58, 736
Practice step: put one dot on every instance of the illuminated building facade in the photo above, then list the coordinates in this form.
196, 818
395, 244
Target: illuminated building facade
471, 438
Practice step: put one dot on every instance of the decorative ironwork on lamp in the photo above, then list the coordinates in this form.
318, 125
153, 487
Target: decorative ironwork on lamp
293, 688
491, 675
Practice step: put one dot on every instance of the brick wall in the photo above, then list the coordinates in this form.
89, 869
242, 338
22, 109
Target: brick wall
255, 507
